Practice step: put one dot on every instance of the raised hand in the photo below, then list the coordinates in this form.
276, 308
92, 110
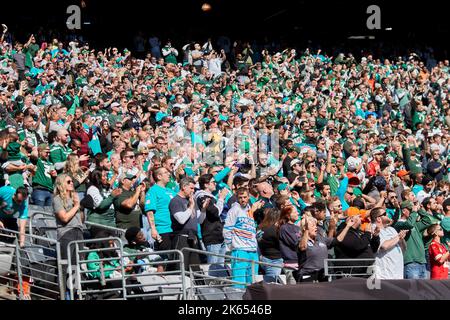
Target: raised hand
402, 234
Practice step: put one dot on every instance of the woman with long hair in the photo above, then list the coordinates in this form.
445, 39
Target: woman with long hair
82, 131
99, 200
269, 244
289, 235
79, 177
313, 249
105, 136
438, 253
69, 217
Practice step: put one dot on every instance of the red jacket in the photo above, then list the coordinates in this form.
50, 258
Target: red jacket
84, 139
438, 270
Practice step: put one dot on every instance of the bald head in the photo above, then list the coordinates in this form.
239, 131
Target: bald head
63, 136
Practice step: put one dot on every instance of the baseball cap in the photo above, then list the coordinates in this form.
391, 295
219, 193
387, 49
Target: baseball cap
294, 148
128, 176
353, 180
406, 204
294, 162
426, 180
402, 173
352, 211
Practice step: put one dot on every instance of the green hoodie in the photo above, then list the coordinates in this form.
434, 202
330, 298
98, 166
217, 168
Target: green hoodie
445, 224
94, 266
415, 248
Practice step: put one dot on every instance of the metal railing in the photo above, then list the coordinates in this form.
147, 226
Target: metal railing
42, 218
348, 267
125, 275
116, 232
43, 222
31, 271
219, 283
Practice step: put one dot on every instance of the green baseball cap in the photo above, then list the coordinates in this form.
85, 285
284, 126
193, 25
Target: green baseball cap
406, 204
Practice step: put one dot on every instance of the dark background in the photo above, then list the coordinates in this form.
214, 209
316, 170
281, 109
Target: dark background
297, 23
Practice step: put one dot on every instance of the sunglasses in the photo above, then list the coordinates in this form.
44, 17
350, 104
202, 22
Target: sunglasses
69, 182
115, 137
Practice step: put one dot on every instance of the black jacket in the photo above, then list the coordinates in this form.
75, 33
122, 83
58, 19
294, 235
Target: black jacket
212, 226
356, 245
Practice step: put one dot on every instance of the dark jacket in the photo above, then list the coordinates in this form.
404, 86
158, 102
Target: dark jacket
356, 245
212, 226
289, 237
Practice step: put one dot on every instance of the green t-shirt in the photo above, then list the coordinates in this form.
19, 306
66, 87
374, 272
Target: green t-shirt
59, 153
30, 53
126, 218
42, 178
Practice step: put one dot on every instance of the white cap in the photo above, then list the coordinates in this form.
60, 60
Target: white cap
294, 162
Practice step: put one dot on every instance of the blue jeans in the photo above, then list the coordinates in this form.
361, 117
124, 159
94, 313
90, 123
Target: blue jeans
271, 273
241, 271
218, 249
42, 197
415, 270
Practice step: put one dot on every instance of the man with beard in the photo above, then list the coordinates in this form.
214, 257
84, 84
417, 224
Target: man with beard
292, 153
428, 187
264, 167
404, 183
389, 257
392, 206
28, 134
310, 138
435, 167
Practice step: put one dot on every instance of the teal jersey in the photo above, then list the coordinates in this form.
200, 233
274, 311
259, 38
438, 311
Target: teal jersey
10, 209
157, 200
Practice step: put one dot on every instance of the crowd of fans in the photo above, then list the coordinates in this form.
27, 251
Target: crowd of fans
291, 160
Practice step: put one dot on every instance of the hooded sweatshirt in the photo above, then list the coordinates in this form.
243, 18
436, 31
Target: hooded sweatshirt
445, 224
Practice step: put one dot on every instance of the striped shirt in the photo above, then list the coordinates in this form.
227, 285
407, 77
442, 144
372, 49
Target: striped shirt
240, 229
